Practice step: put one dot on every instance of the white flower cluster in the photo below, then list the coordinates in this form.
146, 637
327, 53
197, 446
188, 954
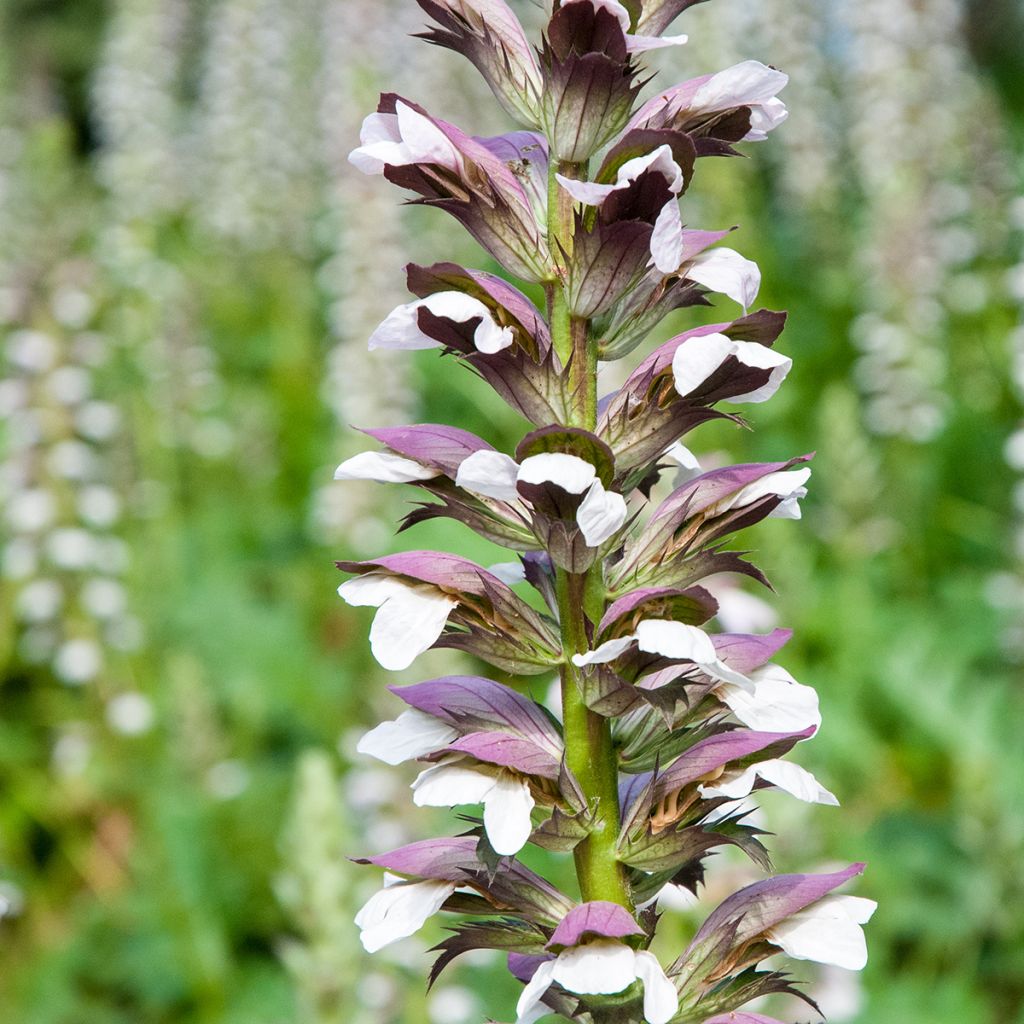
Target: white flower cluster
62, 559
136, 103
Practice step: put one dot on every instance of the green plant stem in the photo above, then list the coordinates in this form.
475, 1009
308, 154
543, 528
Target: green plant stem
590, 753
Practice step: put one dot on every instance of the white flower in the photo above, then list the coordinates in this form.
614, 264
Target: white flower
402, 138
592, 193
383, 467
410, 616
600, 514
700, 357
726, 271
674, 640
411, 735
827, 932
784, 775
505, 795
400, 329
398, 910
786, 484
602, 967
748, 84
489, 473
777, 702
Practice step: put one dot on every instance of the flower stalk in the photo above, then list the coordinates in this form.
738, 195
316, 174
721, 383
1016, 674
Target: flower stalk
667, 725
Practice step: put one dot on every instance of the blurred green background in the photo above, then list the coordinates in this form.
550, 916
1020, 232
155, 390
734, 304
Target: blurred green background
188, 273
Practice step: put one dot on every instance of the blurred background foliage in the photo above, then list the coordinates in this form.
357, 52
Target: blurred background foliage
188, 273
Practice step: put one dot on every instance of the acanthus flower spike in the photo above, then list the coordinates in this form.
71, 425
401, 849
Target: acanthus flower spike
669, 724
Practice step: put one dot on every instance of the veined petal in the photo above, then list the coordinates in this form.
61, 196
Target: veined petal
827, 932
661, 1000
451, 783
696, 360
727, 272
378, 136
600, 967
492, 474
383, 467
507, 810
601, 514
608, 651
530, 998
411, 735
777, 703
569, 472
399, 910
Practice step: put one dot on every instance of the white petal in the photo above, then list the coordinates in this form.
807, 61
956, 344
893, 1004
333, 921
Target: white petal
675, 640
489, 337
377, 129
697, 359
735, 784
752, 354
727, 272
796, 781
776, 703
400, 330
783, 484
397, 911
681, 642
601, 967
661, 1001
491, 474
827, 932
748, 83
411, 735
681, 454
408, 623
530, 998
608, 651
507, 814
384, 467
590, 193
667, 239
784, 775
508, 572
601, 514
640, 44
764, 117
449, 784
569, 472
369, 591
424, 142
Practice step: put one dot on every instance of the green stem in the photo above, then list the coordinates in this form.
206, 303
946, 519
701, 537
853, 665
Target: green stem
589, 752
